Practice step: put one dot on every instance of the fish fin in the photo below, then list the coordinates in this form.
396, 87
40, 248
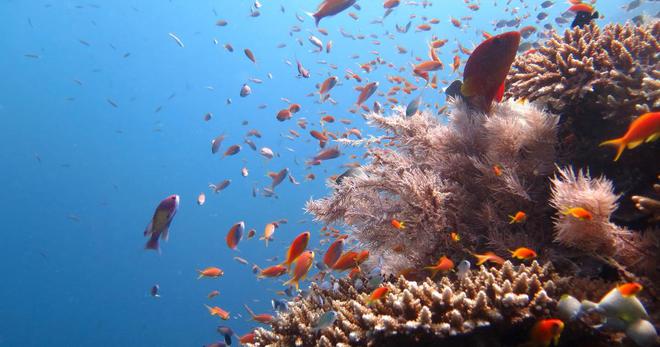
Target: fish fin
616, 143
634, 144
316, 18
165, 235
149, 229
152, 243
467, 89
652, 137
293, 282
500, 92
433, 270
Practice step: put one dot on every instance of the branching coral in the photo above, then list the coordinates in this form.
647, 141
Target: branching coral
613, 70
485, 306
598, 81
467, 176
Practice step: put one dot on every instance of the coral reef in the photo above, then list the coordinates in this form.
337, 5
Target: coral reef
451, 312
598, 81
467, 175
648, 205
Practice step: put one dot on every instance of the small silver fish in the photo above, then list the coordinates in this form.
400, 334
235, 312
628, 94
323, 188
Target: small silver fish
462, 268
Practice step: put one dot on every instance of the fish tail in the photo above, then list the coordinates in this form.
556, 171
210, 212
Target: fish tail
201, 274
618, 143
433, 270
152, 243
513, 219
293, 282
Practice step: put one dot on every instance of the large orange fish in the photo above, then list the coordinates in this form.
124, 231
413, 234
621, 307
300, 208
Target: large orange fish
486, 70
273, 271
488, 257
303, 263
329, 8
444, 264
159, 226
333, 253
217, 311
297, 247
545, 332
646, 128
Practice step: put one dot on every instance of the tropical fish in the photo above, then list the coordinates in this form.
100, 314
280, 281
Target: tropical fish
583, 18
454, 236
366, 92
264, 318
155, 291
303, 263
273, 271
444, 264
226, 332
629, 289
216, 142
329, 8
333, 253
210, 272
250, 55
278, 177
545, 332
376, 295
159, 226
646, 128
269, 230
247, 338
296, 248
232, 150
216, 188
486, 70
213, 294
523, 253
327, 319
235, 234
578, 212
245, 90
398, 224
488, 257
201, 199
519, 217
217, 311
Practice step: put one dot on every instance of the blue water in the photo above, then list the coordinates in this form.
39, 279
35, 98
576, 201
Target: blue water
82, 178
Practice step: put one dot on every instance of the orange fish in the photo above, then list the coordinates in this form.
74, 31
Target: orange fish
269, 230
217, 311
297, 247
366, 92
273, 271
212, 272
333, 253
329, 8
213, 294
444, 264
456, 64
250, 55
398, 224
303, 263
646, 128
454, 236
490, 257
377, 294
486, 70
247, 338
264, 318
423, 27
581, 7
294, 108
545, 332
579, 213
283, 115
629, 289
497, 170
429, 65
391, 3
346, 261
518, 218
235, 234
523, 253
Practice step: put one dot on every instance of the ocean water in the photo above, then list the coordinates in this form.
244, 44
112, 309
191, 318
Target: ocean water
81, 177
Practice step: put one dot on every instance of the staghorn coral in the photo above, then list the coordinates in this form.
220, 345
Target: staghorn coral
598, 81
439, 177
487, 307
613, 70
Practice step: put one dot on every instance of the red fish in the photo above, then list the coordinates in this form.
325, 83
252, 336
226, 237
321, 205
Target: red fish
159, 226
217, 311
304, 262
486, 70
377, 294
545, 332
273, 271
261, 318
333, 253
366, 92
297, 247
523, 253
444, 264
235, 234
210, 272
629, 289
646, 128
329, 8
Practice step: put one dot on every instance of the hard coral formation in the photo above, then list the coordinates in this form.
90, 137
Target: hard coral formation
598, 81
457, 312
613, 71
467, 175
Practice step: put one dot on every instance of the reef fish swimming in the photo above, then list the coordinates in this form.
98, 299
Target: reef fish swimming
159, 226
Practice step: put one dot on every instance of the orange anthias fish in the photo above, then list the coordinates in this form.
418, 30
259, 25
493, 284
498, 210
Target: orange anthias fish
455, 236
398, 224
247, 338
519, 217
488, 257
377, 294
333, 253
235, 234
523, 253
346, 261
217, 311
250, 55
329, 8
629, 289
213, 294
486, 70
579, 213
646, 128
264, 318
212, 272
303, 263
273, 271
298, 246
159, 226
269, 230
545, 332
444, 264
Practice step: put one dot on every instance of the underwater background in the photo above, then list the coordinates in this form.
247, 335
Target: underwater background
102, 117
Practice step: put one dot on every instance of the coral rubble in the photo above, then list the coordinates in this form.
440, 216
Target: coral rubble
448, 312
